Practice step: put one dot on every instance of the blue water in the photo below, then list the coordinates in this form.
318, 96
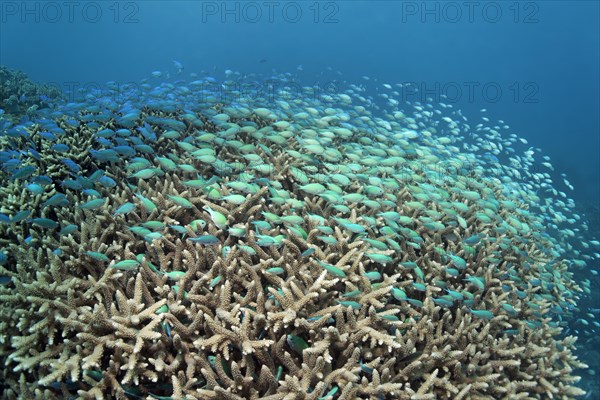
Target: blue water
543, 56
534, 65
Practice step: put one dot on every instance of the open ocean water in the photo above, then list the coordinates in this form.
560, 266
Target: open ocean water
299, 199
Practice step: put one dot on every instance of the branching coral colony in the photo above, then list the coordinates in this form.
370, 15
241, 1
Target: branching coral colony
281, 248
20, 96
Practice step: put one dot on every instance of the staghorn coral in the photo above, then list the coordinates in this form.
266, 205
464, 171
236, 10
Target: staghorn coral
448, 296
19, 96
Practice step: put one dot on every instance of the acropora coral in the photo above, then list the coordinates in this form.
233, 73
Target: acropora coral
162, 242
20, 96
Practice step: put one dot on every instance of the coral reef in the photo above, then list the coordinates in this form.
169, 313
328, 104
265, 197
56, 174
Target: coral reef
20, 96
179, 247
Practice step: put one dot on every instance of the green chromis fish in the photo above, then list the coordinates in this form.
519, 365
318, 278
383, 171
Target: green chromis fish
399, 294
180, 201
125, 209
206, 240
174, 275
313, 188
97, 256
275, 271
149, 206
352, 304
379, 258
93, 204
477, 281
125, 265
236, 199
45, 223
296, 343
215, 281
217, 218
333, 270
483, 314
372, 275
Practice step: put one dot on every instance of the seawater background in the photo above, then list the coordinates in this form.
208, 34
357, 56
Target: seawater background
534, 65
542, 55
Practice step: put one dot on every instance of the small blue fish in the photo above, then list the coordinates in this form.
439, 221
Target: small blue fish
352, 304
96, 175
103, 142
262, 225
35, 188
106, 155
477, 281
12, 164
179, 229
93, 204
105, 133
85, 182
178, 66
34, 153
126, 151
71, 184
126, 132
399, 294
23, 172
48, 136
472, 240
71, 165
45, 223
415, 302
509, 309
373, 275
483, 314
57, 200
41, 180
206, 240
91, 193
153, 236
144, 148
125, 209
456, 295
307, 252
20, 216
126, 265
443, 302
97, 256
365, 368
107, 181
215, 281
458, 262
68, 229
147, 132
167, 328
409, 264
147, 203
296, 343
